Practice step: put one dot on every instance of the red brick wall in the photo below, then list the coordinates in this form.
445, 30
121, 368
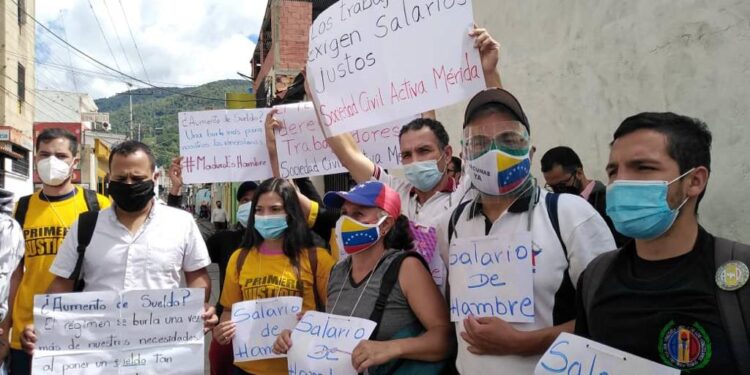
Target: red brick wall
295, 20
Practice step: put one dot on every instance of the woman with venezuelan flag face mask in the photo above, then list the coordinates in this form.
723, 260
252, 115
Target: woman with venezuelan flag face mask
414, 324
276, 258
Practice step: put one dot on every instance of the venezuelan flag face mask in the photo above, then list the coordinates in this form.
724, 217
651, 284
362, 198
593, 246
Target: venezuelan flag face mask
355, 237
499, 163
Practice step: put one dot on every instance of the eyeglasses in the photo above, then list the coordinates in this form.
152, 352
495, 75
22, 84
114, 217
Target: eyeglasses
510, 142
560, 185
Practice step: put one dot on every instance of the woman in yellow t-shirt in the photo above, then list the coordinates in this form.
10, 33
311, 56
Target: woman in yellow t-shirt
276, 259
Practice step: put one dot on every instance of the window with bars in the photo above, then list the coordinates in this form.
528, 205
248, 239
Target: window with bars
21, 12
21, 165
21, 83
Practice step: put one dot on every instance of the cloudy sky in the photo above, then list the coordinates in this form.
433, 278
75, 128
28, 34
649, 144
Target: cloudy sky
181, 42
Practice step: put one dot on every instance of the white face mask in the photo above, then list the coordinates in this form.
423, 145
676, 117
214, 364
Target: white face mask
53, 171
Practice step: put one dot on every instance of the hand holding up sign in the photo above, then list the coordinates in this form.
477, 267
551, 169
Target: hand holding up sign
175, 176
372, 353
272, 125
494, 336
489, 54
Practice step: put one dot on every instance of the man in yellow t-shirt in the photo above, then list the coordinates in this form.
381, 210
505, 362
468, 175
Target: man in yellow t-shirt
268, 275
45, 217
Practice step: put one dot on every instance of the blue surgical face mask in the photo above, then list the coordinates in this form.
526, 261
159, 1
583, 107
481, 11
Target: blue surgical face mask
270, 226
639, 209
243, 213
424, 175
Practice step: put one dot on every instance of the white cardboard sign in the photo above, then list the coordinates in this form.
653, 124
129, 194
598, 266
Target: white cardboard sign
322, 343
492, 276
142, 331
372, 62
224, 145
571, 354
258, 322
303, 150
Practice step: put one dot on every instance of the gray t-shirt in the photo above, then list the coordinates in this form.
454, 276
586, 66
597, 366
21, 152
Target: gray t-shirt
397, 312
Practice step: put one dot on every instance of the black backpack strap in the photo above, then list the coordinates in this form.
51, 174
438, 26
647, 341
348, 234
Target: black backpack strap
92, 201
389, 280
734, 306
241, 260
312, 255
454, 218
21, 208
551, 200
593, 277
86, 226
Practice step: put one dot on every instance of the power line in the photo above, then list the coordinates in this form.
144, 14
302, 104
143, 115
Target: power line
145, 72
103, 35
117, 35
24, 101
124, 74
49, 102
70, 55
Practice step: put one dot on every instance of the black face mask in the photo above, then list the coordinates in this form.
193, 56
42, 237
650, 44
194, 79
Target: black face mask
131, 197
573, 188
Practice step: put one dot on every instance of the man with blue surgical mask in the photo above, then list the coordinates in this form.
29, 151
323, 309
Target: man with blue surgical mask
503, 323
676, 294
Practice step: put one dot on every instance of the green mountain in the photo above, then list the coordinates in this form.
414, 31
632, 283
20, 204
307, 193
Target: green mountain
156, 110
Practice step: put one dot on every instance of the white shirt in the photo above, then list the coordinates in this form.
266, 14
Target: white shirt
426, 215
585, 234
167, 244
218, 215
11, 253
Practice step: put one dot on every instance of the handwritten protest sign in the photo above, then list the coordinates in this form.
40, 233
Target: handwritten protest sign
259, 322
149, 331
322, 343
371, 62
492, 276
571, 354
303, 150
224, 145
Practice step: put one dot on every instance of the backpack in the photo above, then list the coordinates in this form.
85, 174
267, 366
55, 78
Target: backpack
86, 225
92, 204
400, 366
312, 257
734, 306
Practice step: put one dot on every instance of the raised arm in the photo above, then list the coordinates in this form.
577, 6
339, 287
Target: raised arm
271, 125
489, 54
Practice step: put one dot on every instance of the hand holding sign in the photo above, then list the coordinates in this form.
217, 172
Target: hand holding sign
258, 322
571, 354
493, 336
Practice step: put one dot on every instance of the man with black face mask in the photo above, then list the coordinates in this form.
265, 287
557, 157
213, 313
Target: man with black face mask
563, 173
136, 244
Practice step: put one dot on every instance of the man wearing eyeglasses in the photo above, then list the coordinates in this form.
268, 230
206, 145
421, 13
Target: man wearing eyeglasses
557, 236
563, 173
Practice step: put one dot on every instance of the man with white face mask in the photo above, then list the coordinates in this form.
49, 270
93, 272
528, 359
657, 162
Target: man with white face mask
555, 236
45, 217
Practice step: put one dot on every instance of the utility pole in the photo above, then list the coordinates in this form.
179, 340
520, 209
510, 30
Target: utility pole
130, 95
139, 132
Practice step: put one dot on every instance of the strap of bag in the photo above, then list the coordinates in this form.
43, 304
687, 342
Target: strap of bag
551, 200
390, 277
734, 306
312, 255
454, 218
92, 201
241, 260
86, 226
21, 208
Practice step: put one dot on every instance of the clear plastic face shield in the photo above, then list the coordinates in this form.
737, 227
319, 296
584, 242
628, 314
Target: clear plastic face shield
498, 156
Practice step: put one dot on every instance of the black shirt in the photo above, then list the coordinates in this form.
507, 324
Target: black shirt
665, 311
220, 246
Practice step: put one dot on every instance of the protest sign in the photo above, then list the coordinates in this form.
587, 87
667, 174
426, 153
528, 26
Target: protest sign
224, 145
144, 331
371, 62
258, 322
323, 343
303, 150
571, 354
492, 276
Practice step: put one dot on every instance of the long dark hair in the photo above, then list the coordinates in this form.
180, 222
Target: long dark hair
399, 237
297, 236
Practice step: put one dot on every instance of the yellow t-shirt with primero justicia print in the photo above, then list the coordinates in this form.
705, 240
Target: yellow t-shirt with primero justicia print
44, 228
269, 276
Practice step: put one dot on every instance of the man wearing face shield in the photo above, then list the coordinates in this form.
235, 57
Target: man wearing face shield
45, 217
510, 205
427, 191
677, 294
136, 244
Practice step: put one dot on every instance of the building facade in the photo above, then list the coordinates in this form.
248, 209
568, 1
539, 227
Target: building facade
17, 95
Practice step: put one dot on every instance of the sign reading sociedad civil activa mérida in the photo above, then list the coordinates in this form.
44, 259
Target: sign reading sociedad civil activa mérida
375, 61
